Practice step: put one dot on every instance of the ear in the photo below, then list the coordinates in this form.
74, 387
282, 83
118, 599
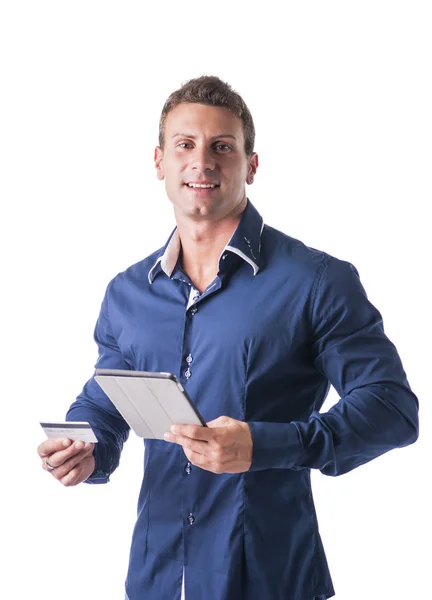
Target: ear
158, 156
252, 168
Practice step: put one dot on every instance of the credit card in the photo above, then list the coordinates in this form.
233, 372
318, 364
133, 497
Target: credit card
74, 430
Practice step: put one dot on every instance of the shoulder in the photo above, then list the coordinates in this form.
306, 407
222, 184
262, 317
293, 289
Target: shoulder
313, 267
282, 248
136, 274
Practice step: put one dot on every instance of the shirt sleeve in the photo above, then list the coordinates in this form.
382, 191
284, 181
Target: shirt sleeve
377, 410
94, 406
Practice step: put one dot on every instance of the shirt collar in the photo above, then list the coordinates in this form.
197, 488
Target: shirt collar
245, 242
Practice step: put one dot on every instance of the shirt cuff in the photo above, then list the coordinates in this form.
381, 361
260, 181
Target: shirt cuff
275, 445
100, 473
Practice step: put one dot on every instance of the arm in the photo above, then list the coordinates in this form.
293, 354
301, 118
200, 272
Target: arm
94, 406
377, 410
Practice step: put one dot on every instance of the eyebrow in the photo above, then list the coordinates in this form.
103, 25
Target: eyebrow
191, 136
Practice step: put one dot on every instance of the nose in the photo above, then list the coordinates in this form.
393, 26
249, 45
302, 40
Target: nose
202, 159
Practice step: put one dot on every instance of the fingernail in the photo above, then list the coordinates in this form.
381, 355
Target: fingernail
173, 428
79, 445
66, 443
168, 436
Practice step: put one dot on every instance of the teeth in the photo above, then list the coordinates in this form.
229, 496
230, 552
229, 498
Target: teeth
201, 185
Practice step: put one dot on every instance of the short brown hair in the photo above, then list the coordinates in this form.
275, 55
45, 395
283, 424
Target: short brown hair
212, 91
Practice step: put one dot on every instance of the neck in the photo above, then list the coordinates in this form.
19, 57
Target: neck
202, 244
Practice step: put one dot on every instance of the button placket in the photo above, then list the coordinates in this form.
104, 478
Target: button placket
187, 360
194, 296
188, 372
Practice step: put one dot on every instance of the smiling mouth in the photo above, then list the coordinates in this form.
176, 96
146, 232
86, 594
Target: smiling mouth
202, 186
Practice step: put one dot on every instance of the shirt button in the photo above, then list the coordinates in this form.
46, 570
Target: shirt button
191, 519
187, 373
189, 359
188, 468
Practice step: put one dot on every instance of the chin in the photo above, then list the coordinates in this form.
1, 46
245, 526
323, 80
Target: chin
196, 207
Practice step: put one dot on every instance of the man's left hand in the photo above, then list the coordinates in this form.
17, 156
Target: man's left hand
224, 446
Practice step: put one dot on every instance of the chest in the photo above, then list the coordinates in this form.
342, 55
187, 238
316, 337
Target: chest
251, 319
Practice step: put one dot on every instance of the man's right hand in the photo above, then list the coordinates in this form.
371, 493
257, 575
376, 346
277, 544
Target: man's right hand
73, 462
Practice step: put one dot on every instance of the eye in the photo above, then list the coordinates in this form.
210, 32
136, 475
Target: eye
184, 144
222, 147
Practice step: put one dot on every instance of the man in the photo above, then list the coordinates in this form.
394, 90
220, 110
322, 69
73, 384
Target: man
256, 326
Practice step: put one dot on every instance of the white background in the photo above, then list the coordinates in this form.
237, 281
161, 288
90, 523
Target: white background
341, 98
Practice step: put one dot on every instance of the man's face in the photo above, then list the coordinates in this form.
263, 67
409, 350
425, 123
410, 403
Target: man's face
204, 145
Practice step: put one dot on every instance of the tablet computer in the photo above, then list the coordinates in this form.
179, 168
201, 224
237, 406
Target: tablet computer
149, 402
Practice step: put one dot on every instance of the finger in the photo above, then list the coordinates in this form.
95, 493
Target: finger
58, 458
49, 446
197, 446
195, 432
73, 477
195, 458
79, 473
203, 462
70, 464
49, 466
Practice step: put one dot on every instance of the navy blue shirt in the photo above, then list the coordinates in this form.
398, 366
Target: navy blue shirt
262, 344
